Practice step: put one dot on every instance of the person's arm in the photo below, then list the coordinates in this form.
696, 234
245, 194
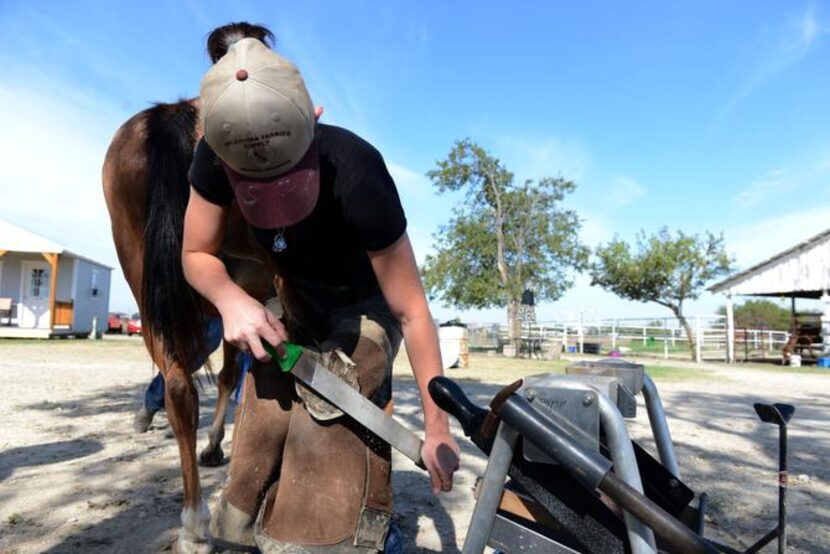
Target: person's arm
243, 318
397, 274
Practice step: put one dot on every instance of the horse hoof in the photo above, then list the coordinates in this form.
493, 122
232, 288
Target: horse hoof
142, 420
187, 547
212, 457
193, 536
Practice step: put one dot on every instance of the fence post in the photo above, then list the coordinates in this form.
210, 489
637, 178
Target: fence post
644, 335
614, 335
769, 343
698, 339
665, 339
565, 337
673, 338
579, 335
730, 331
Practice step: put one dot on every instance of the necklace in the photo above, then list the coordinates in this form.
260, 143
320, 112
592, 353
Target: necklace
279, 241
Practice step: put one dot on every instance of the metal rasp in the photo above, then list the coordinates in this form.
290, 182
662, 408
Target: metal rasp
336, 391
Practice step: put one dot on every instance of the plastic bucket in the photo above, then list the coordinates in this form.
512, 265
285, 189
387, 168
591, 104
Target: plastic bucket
451, 340
795, 360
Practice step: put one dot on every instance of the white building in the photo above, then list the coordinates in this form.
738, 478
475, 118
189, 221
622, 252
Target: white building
46, 290
802, 271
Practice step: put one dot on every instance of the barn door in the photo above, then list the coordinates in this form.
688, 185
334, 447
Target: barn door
34, 298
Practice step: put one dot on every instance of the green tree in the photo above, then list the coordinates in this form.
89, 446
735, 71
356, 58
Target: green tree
503, 238
760, 314
661, 268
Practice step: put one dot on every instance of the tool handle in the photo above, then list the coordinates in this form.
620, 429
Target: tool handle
449, 397
292, 354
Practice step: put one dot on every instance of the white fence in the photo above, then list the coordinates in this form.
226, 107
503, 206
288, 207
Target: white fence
662, 336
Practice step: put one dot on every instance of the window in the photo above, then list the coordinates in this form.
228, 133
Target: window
94, 284
38, 283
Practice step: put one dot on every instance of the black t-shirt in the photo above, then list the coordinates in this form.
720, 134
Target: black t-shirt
358, 210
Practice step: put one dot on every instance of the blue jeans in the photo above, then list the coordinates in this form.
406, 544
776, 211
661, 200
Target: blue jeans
154, 395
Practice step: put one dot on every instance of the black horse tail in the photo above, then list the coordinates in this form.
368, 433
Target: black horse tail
172, 308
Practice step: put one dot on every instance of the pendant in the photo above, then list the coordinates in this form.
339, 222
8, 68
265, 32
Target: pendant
279, 242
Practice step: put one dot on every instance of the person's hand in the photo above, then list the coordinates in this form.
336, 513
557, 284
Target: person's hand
246, 322
440, 455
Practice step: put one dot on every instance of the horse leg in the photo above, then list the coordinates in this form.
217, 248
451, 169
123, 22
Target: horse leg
182, 405
212, 455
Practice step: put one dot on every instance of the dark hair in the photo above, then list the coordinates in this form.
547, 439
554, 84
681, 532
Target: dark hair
221, 38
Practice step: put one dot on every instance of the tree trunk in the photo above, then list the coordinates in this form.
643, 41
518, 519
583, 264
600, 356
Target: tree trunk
514, 325
689, 333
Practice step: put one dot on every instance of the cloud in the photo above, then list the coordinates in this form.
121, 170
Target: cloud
51, 180
425, 210
802, 35
625, 191
775, 184
766, 187
763, 239
595, 228
534, 157
410, 182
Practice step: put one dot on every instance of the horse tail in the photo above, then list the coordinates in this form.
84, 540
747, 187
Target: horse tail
172, 308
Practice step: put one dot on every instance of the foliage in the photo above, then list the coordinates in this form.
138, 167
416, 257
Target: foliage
661, 268
760, 314
504, 237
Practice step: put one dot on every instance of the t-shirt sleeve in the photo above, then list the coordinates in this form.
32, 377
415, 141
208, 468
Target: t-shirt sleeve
373, 207
207, 176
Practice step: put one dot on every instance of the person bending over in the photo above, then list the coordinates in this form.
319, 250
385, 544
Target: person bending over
303, 477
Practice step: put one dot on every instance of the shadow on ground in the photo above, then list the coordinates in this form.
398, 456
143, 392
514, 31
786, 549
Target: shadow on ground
125, 399
46, 453
731, 477
150, 509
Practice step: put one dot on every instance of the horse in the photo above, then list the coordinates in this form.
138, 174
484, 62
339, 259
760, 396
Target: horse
146, 190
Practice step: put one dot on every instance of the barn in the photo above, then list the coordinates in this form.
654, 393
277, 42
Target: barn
48, 291
800, 272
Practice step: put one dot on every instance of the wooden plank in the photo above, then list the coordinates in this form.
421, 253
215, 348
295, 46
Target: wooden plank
63, 313
52, 259
522, 506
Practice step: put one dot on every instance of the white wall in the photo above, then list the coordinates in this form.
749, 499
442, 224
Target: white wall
10, 284
87, 305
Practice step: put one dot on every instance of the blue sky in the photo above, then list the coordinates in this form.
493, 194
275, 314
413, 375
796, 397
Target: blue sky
695, 115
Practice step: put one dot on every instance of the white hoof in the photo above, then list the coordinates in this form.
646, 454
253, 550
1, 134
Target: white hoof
194, 535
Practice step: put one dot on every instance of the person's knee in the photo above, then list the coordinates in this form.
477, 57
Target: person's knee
373, 356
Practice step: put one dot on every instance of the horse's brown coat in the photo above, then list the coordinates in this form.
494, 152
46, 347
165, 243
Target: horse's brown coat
125, 177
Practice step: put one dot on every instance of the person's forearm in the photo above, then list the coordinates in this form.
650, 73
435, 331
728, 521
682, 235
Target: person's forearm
421, 340
207, 274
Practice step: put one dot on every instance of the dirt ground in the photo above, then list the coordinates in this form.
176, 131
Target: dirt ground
74, 477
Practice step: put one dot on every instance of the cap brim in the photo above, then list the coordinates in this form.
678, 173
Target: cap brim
280, 201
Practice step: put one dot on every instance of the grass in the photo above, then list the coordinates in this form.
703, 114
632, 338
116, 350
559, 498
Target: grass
107, 341
778, 368
483, 367
500, 370
656, 348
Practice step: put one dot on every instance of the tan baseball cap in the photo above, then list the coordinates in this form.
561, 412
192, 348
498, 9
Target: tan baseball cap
259, 119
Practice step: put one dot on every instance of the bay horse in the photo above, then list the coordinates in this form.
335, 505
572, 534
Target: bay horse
146, 189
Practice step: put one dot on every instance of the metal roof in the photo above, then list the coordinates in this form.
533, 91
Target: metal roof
18, 239
802, 271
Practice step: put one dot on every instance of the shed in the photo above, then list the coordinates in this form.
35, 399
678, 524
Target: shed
802, 271
47, 290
